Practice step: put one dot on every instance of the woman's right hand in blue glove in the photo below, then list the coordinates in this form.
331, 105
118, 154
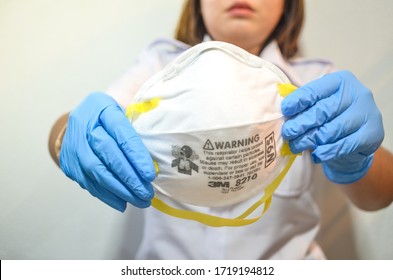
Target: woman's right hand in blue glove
102, 152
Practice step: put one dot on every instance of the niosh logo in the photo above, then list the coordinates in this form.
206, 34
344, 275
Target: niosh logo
184, 157
236, 143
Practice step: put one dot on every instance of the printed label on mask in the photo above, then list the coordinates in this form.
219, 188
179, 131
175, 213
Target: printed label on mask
228, 165
217, 167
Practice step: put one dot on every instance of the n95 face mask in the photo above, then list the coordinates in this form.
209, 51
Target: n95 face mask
212, 122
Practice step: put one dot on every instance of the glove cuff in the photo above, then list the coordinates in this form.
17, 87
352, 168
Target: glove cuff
347, 174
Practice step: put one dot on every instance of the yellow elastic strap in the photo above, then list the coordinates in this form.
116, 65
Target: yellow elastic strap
285, 89
156, 166
135, 110
285, 150
216, 221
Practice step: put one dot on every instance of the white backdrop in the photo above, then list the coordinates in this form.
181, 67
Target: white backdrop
52, 53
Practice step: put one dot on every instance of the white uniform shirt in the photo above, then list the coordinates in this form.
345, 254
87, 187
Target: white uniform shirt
286, 231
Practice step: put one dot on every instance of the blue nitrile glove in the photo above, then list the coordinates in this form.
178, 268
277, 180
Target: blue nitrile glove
336, 117
102, 152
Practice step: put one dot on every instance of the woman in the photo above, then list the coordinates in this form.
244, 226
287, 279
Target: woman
334, 117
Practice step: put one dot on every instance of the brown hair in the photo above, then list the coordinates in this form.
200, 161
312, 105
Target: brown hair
191, 28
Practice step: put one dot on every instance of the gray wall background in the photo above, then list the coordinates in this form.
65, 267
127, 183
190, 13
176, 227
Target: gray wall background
52, 53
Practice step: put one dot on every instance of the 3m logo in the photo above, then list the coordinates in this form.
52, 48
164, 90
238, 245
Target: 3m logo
217, 184
270, 149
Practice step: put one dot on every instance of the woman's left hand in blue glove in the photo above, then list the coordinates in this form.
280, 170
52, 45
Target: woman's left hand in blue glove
337, 118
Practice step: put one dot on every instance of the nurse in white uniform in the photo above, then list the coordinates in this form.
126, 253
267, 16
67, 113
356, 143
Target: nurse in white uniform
331, 118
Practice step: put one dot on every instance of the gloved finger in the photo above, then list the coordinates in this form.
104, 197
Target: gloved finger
109, 153
330, 132
100, 177
69, 154
343, 147
75, 172
321, 112
119, 128
106, 196
309, 94
110, 188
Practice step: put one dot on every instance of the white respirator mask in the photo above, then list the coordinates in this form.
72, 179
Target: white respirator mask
212, 122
